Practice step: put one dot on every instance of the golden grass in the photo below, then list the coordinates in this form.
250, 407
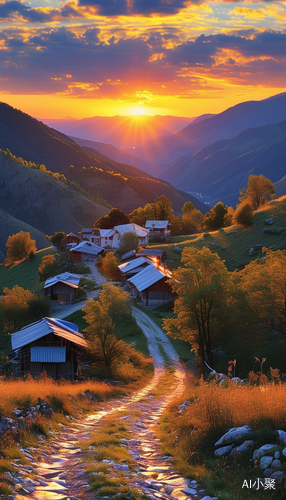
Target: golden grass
62, 396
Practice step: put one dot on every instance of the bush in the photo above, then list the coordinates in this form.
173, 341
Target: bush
83, 269
109, 266
48, 267
243, 214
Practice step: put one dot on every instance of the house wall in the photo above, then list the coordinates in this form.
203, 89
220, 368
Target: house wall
55, 370
156, 294
60, 292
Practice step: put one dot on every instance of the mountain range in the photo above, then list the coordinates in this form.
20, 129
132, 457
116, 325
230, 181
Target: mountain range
46, 204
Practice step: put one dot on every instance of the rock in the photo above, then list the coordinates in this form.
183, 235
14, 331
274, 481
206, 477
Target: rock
224, 450
251, 251
267, 472
269, 221
178, 249
11, 497
168, 489
235, 434
183, 406
207, 498
266, 448
282, 437
278, 476
276, 464
238, 450
277, 454
265, 462
284, 452
8, 477
190, 491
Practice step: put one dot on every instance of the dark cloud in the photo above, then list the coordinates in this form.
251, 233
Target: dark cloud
16, 9
131, 7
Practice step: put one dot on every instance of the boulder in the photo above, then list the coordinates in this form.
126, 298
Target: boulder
276, 464
282, 437
269, 221
235, 434
244, 447
278, 476
263, 450
265, 462
224, 450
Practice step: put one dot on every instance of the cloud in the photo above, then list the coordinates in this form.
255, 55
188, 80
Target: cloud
75, 61
16, 10
133, 7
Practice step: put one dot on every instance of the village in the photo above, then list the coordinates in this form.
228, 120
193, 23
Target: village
55, 346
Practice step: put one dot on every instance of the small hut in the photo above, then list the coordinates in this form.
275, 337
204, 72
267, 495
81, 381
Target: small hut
151, 286
49, 345
62, 288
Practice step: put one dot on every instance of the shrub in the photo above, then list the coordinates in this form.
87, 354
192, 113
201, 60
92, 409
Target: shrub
243, 214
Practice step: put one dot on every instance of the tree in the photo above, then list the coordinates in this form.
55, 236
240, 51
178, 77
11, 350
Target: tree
188, 207
228, 216
259, 190
201, 286
192, 220
243, 213
103, 317
163, 208
48, 267
129, 241
19, 246
109, 265
15, 303
115, 217
56, 238
214, 218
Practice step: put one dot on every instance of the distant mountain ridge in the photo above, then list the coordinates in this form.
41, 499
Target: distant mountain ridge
201, 133
219, 170
121, 131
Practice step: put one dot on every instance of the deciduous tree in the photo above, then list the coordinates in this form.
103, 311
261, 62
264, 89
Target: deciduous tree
201, 286
259, 190
214, 218
103, 317
115, 217
19, 246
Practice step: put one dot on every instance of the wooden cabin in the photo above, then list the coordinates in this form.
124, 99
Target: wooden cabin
49, 345
68, 241
151, 287
62, 288
85, 251
132, 267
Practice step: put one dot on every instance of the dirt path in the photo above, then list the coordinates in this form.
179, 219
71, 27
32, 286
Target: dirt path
60, 475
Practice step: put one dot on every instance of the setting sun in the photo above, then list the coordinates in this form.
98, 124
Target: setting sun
137, 111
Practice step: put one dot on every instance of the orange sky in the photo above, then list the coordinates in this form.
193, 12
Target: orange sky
105, 57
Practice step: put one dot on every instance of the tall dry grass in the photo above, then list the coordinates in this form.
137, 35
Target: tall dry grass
63, 396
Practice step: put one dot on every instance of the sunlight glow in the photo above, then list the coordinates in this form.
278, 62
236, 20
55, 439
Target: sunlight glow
137, 111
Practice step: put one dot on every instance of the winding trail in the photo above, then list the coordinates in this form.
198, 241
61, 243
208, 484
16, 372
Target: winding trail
60, 473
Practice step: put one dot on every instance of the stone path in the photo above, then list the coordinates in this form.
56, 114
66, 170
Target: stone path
58, 472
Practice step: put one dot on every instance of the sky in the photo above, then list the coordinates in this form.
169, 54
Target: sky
83, 58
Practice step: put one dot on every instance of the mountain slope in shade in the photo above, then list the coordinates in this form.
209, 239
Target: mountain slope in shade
34, 141
41, 202
10, 225
221, 169
121, 131
118, 155
225, 125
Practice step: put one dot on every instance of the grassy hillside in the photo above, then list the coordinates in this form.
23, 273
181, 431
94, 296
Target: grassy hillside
233, 243
34, 198
24, 274
10, 225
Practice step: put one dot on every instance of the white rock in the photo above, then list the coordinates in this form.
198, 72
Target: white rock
263, 450
234, 434
276, 464
242, 448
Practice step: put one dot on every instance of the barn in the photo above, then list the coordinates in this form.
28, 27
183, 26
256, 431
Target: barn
151, 286
49, 345
62, 288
